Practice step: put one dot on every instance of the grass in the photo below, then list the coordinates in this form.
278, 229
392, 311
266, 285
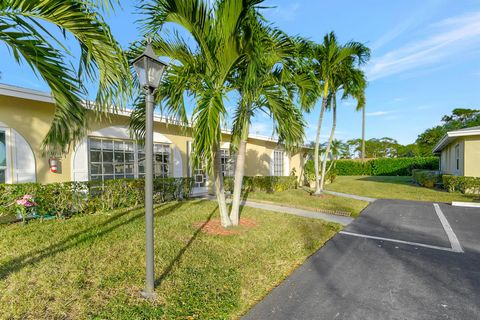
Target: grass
93, 266
392, 188
301, 198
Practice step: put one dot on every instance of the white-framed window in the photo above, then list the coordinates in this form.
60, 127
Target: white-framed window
119, 159
227, 163
457, 157
278, 163
161, 164
3, 156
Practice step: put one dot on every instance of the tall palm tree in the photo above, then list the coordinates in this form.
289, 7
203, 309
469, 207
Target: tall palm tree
23, 31
328, 58
351, 80
267, 81
363, 132
201, 70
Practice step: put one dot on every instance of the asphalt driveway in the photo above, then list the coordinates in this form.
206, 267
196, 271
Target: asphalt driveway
398, 260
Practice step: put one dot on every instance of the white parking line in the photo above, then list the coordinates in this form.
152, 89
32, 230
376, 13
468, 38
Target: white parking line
416, 244
456, 247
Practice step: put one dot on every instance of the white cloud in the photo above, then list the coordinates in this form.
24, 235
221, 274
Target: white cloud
424, 107
377, 113
451, 37
408, 22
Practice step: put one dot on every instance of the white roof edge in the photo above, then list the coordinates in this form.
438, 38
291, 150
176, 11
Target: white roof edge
30, 94
450, 135
24, 93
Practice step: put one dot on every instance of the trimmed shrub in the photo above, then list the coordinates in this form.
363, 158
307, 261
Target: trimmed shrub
65, 199
426, 178
380, 166
468, 185
353, 168
264, 183
403, 166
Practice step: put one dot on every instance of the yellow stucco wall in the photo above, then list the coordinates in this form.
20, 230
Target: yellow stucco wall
32, 120
448, 158
472, 156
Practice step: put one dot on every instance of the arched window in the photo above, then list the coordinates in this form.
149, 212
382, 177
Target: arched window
110, 153
17, 161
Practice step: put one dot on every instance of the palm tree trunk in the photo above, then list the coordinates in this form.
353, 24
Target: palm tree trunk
317, 141
220, 190
239, 173
329, 145
363, 133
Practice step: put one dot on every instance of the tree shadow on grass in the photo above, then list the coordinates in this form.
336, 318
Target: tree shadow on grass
182, 251
18, 263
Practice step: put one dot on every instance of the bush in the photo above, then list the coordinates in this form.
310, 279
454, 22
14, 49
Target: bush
380, 167
65, 199
354, 168
426, 178
309, 171
468, 185
264, 183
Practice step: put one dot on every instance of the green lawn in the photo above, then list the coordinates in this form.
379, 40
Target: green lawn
393, 188
301, 198
93, 266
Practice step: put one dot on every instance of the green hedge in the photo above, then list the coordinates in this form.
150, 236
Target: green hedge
382, 166
64, 199
264, 183
469, 185
426, 178
353, 168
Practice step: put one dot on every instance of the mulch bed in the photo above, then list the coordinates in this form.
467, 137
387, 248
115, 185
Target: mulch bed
214, 227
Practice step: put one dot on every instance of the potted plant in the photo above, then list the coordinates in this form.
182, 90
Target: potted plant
25, 207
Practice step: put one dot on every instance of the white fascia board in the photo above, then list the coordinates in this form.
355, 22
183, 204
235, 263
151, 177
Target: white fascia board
23, 93
451, 135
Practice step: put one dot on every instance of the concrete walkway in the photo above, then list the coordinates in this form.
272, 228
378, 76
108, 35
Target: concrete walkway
299, 212
351, 196
294, 211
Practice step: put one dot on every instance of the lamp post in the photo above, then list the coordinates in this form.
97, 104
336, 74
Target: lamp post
149, 71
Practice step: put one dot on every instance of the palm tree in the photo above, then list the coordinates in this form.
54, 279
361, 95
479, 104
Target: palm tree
22, 30
352, 82
363, 132
267, 81
202, 70
328, 58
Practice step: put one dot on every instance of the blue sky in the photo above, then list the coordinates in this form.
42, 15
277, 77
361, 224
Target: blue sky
425, 59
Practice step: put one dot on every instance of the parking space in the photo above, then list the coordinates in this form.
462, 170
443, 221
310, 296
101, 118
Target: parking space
403, 220
466, 224
396, 261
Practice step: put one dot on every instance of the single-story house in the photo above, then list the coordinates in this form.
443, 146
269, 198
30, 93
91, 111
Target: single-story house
460, 152
108, 151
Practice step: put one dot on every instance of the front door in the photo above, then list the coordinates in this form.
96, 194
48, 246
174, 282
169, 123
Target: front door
198, 174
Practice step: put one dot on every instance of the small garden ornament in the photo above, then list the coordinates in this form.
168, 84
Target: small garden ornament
25, 207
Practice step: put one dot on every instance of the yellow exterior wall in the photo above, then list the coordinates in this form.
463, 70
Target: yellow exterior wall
32, 120
448, 159
472, 156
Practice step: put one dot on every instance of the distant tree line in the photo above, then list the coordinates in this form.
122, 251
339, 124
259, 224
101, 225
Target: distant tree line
390, 148
459, 119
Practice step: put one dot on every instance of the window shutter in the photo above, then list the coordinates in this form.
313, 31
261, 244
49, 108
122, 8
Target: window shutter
80, 162
23, 160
